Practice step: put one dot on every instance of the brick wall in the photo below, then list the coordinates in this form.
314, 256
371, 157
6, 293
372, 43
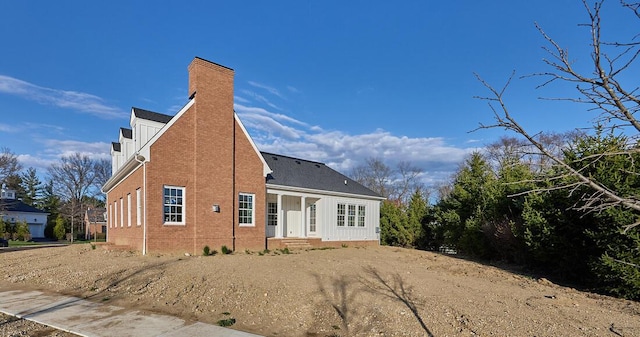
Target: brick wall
207, 153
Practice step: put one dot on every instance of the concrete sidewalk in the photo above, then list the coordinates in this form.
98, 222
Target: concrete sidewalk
91, 319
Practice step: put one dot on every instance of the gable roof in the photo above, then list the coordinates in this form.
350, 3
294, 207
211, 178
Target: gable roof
295, 172
152, 116
96, 214
126, 133
14, 205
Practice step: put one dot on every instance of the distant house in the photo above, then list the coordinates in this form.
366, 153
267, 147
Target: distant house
13, 210
95, 221
197, 178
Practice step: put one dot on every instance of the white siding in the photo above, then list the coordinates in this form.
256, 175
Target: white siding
36, 221
326, 216
327, 213
144, 130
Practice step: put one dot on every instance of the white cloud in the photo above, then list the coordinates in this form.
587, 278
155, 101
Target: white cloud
59, 148
9, 128
281, 134
260, 98
78, 101
271, 90
293, 89
240, 99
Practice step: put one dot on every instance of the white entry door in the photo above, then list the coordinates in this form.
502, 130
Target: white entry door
291, 207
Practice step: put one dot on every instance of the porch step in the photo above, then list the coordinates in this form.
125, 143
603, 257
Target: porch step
296, 243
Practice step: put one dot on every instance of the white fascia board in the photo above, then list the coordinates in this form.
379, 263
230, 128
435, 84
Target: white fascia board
133, 162
144, 149
265, 167
299, 191
124, 171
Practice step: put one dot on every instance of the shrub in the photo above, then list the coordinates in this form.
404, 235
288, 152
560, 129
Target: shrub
22, 231
225, 250
59, 230
206, 251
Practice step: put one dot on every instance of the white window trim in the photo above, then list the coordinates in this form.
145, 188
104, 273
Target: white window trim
138, 208
253, 210
115, 214
184, 208
121, 213
273, 215
129, 210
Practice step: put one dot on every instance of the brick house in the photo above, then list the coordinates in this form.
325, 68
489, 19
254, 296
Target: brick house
197, 178
95, 222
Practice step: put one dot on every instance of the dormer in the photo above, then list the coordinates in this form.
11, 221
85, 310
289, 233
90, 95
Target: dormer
116, 157
145, 124
126, 143
7, 193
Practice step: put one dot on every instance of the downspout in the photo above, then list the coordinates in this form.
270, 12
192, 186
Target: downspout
144, 204
234, 199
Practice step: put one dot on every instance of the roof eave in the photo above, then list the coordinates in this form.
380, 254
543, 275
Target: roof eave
324, 192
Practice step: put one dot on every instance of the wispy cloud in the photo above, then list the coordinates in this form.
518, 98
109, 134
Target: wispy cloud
293, 89
271, 90
30, 127
260, 99
73, 100
60, 147
54, 149
8, 128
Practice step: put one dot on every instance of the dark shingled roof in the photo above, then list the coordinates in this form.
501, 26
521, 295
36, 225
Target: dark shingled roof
96, 215
151, 116
115, 146
127, 133
14, 205
295, 172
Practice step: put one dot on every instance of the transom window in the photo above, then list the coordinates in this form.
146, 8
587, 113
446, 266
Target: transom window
245, 209
173, 205
272, 214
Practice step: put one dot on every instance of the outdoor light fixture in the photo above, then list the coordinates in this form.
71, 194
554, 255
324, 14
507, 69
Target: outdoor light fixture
216, 208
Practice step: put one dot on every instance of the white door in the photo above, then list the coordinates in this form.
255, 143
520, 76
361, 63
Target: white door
292, 220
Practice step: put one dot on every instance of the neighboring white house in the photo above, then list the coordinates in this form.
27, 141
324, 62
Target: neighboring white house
13, 210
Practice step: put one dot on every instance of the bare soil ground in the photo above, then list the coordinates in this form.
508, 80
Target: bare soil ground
375, 291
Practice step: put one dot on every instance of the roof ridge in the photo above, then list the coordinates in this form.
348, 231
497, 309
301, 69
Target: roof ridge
290, 157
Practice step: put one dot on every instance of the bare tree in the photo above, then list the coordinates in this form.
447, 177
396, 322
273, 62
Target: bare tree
374, 174
394, 184
602, 91
9, 164
73, 177
102, 172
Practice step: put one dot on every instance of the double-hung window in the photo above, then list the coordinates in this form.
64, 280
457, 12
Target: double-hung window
341, 214
312, 218
361, 215
352, 216
272, 214
246, 214
174, 205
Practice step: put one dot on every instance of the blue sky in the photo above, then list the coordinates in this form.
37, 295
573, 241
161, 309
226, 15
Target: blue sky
331, 81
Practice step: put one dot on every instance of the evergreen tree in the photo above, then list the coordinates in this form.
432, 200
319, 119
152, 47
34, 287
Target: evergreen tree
32, 187
465, 212
59, 230
51, 204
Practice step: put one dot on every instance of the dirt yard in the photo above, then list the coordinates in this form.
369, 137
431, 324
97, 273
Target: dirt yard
375, 291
